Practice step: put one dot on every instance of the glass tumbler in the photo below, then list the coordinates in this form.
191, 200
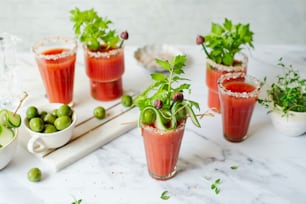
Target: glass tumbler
162, 150
55, 57
238, 94
213, 73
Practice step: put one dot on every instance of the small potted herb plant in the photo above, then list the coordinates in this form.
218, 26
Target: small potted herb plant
286, 101
104, 53
222, 47
163, 114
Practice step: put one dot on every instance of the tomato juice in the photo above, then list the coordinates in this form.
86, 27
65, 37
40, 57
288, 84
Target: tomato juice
162, 150
57, 70
237, 99
105, 70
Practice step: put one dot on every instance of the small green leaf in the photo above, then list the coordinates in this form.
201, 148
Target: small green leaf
163, 64
228, 24
217, 190
158, 76
217, 181
165, 195
234, 167
216, 29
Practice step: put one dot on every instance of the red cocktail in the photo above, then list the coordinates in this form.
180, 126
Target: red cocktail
238, 95
213, 73
55, 57
105, 69
162, 150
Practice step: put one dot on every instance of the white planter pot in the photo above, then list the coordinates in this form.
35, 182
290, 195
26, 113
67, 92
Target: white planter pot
293, 125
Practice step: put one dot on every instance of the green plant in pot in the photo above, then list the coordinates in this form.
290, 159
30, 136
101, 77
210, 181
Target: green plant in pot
163, 114
286, 101
222, 47
104, 53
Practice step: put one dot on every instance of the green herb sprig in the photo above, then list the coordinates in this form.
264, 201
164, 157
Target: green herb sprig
93, 30
288, 93
225, 40
77, 201
165, 195
162, 101
215, 185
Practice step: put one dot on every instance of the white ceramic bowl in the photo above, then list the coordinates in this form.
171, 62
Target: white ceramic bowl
40, 142
147, 54
7, 152
294, 125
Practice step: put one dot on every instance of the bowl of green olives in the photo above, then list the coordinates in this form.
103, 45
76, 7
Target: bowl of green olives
50, 126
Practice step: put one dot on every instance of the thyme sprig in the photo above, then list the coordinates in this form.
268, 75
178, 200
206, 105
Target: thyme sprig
288, 93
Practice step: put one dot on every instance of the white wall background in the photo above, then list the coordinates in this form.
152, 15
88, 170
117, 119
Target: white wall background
158, 21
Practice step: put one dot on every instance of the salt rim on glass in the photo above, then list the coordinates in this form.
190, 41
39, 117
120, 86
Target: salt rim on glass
52, 42
243, 77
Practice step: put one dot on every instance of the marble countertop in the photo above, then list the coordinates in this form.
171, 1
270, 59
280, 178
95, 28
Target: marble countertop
271, 166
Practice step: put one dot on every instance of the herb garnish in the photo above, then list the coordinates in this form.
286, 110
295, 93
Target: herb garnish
77, 201
225, 40
162, 103
288, 93
94, 30
165, 195
215, 185
234, 167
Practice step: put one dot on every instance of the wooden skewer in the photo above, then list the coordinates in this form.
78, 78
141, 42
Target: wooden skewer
25, 95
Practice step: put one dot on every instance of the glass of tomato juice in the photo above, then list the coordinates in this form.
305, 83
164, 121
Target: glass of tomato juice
162, 150
55, 57
105, 69
213, 73
238, 94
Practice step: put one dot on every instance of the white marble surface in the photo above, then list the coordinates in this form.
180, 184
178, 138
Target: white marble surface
271, 166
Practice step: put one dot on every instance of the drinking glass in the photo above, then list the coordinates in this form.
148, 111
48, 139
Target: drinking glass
238, 94
105, 70
213, 73
162, 150
55, 57
10, 90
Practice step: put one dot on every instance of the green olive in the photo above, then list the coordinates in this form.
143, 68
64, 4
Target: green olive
99, 112
49, 128
64, 110
49, 118
32, 112
36, 124
126, 100
62, 122
34, 174
93, 44
148, 116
